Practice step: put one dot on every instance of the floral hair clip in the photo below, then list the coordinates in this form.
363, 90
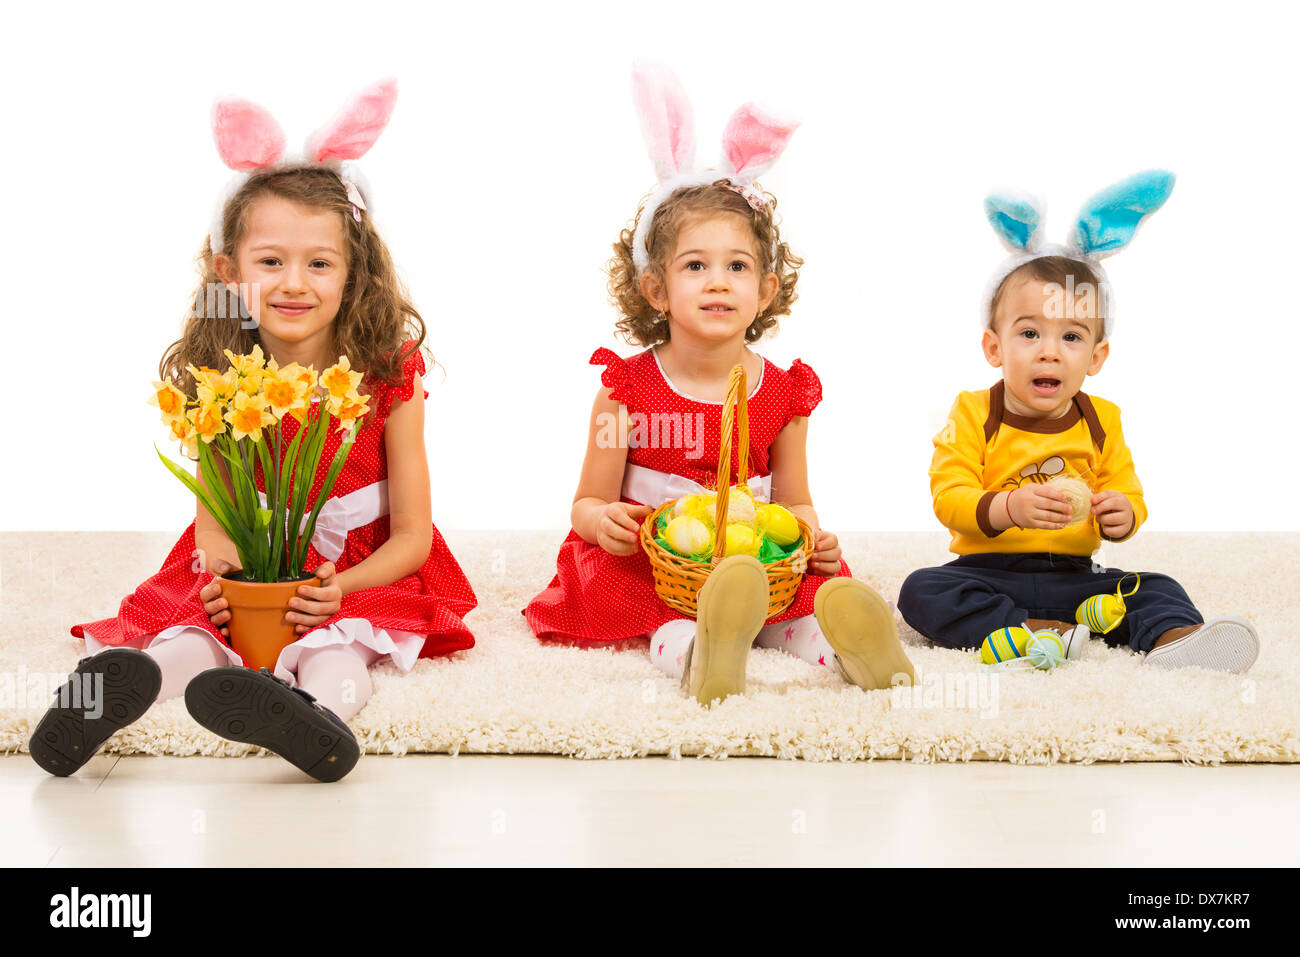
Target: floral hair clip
751, 143
752, 196
249, 139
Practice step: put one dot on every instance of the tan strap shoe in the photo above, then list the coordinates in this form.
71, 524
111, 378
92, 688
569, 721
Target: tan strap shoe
730, 610
859, 625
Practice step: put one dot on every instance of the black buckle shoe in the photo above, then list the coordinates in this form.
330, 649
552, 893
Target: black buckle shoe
256, 707
68, 735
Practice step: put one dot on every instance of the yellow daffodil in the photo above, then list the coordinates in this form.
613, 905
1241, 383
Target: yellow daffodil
300, 411
249, 416
214, 386
348, 409
339, 378
247, 365
207, 421
303, 381
169, 400
306, 378
248, 370
281, 393
182, 430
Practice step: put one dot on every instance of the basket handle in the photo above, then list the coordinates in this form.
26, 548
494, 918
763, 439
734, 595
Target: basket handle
735, 409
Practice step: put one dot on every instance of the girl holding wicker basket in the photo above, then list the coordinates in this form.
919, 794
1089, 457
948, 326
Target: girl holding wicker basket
702, 274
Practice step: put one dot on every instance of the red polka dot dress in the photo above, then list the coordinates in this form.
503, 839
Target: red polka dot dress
597, 597
417, 616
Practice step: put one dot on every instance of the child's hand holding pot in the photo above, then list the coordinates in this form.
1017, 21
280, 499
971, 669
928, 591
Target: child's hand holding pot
312, 605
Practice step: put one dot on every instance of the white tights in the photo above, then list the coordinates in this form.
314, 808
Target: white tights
801, 637
337, 676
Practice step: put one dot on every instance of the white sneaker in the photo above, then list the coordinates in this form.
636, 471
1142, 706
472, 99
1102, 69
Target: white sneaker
1223, 644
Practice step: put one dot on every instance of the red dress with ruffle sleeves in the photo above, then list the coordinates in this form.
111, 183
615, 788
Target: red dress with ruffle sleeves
596, 597
431, 601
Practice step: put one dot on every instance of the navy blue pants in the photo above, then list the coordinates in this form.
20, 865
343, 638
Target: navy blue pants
959, 604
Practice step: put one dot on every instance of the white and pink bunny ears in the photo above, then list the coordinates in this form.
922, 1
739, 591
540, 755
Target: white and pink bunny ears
1106, 224
752, 141
249, 139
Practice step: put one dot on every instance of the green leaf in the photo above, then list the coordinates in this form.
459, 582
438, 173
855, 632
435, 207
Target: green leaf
304, 476
276, 544
246, 493
231, 529
286, 474
327, 486
224, 512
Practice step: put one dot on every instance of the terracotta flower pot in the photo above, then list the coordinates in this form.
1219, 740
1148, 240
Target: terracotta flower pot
258, 630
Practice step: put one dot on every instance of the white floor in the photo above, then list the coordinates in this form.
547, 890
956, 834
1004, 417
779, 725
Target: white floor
543, 810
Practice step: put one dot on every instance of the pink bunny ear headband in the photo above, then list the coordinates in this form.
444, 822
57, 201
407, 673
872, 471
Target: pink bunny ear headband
249, 139
751, 143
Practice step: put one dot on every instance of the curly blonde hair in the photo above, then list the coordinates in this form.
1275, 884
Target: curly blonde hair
639, 322
375, 317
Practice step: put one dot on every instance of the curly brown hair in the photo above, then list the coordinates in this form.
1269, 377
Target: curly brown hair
639, 322
375, 318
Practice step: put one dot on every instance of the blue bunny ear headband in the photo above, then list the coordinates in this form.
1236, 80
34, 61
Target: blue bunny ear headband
1105, 225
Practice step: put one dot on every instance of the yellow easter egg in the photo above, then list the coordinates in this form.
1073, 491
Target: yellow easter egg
742, 540
1101, 613
778, 524
1004, 645
1077, 495
688, 536
684, 506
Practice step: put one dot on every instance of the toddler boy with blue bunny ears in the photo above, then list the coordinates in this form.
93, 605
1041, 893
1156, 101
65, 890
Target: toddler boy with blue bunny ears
1024, 547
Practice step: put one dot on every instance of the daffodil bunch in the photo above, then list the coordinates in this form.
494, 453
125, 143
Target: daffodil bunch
237, 414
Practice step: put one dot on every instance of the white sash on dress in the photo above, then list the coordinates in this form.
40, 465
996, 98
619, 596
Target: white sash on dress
650, 487
340, 515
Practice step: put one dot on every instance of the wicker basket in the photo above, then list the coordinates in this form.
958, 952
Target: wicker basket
678, 580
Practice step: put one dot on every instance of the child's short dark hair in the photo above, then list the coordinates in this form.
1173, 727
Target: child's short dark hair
1066, 273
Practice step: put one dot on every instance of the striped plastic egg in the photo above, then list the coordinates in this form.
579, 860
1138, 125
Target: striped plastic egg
1101, 613
1003, 645
1045, 650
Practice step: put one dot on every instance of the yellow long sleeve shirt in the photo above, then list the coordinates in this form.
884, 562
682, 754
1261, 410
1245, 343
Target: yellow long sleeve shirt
984, 449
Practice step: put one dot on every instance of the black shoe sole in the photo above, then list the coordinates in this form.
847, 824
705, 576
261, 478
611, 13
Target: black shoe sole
66, 738
243, 705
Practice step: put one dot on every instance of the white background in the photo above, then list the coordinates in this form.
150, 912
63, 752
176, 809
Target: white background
513, 158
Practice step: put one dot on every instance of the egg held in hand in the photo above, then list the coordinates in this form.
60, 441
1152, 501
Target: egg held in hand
1077, 495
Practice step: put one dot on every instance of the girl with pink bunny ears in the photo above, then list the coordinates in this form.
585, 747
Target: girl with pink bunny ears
700, 275
294, 270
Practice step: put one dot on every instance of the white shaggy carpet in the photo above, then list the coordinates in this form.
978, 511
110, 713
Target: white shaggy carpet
511, 694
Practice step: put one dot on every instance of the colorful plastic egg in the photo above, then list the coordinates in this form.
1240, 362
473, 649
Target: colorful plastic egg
688, 536
1045, 650
778, 524
1102, 613
742, 540
1003, 645
694, 505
